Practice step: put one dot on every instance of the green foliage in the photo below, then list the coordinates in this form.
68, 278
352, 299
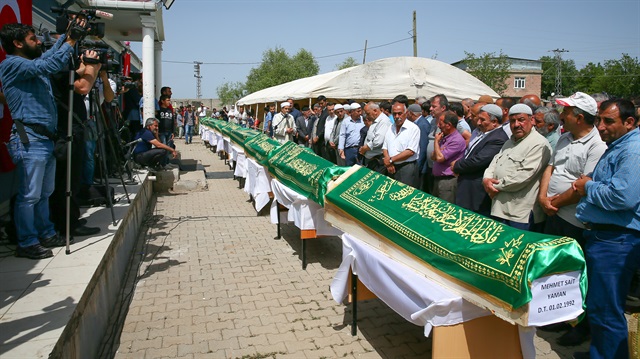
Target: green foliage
491, 69
620, 78
569, 75
586, 81
278, 67
348, 62
230, 92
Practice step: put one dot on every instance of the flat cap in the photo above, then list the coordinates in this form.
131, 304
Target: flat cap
492, 109
520, 108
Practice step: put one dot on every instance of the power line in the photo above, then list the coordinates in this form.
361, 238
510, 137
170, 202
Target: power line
316, 57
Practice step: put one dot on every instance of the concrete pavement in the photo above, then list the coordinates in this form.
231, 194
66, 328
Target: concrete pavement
214, 283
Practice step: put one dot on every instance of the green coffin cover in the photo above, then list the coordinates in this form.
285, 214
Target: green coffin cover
494, 258
259, 147
219, 124
207, 121
303, 171
228, 129
241, 135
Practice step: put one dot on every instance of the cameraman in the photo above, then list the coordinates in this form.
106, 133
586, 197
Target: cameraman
84, 78
25, 78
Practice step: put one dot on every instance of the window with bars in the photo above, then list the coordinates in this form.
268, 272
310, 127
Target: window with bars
519, 83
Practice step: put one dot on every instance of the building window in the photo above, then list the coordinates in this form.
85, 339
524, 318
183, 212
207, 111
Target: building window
519, 83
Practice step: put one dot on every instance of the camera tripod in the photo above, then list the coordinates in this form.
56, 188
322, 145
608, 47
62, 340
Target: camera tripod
97, 113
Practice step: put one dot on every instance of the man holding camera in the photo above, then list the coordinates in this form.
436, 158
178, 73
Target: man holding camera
25, 79
84, 78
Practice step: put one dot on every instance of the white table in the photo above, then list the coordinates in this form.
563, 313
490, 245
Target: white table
307, 215
408, 293
258, 183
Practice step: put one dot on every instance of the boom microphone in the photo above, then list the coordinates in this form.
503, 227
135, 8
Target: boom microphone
104, 14
86, 12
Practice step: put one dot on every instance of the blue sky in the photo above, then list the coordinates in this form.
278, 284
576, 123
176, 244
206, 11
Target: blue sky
239, 31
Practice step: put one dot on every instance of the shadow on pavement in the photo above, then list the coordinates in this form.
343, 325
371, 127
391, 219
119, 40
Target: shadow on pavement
19, 331
387, 332
326, 251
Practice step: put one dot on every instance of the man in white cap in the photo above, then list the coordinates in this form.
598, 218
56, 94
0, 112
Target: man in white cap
335, 133
349, 139
481, 150
232, 117
512, 179
576, 153
284, 126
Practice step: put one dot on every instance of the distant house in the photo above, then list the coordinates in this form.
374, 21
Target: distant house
525, 76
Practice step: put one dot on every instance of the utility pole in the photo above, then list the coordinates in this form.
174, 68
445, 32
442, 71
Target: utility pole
558, 56
196, 70
415, 36
364, 57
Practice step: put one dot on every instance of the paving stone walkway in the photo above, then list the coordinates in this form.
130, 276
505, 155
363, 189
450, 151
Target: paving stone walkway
214, 283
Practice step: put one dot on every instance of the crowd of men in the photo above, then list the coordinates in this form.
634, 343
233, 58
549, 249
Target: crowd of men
568, 168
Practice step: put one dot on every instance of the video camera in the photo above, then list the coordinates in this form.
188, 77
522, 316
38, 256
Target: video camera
65, 22
102, 49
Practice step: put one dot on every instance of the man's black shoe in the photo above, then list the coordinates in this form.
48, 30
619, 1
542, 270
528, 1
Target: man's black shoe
555, 327
85, 231
35, 251
82, 222
54, 241
573, 337
632, 305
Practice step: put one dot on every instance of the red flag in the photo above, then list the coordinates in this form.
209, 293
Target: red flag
11, 11
126, 64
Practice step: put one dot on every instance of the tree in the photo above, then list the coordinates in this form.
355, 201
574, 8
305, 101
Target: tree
348, 62
586, 80
569, 76
621, 77
277, 68
230, 92
491, 69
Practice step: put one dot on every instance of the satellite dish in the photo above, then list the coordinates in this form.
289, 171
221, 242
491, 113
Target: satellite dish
167, 3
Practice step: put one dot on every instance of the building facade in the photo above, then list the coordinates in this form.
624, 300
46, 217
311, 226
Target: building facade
525, 77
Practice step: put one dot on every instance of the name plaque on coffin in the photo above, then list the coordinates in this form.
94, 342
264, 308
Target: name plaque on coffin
489, 264
303, 171
259, 147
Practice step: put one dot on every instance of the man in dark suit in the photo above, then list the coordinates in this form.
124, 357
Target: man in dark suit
470, 193
318, 132
304, 126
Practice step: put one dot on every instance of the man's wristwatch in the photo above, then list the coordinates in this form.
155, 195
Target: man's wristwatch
390, 160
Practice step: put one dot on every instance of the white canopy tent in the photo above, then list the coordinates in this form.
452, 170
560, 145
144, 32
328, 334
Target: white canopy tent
379, 80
